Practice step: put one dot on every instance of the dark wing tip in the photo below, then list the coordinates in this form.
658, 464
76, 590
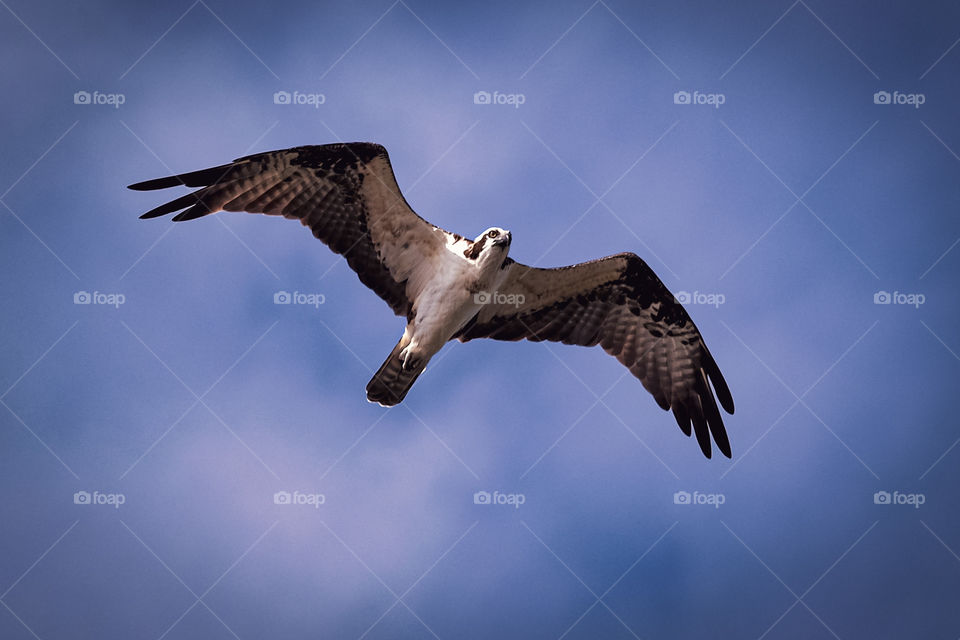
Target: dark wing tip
683, 418
174, 205
702, 431
156, 183
201, 178
700, 410
719, 384
195, 201
197, 208
712, 415
725, 450
720, 437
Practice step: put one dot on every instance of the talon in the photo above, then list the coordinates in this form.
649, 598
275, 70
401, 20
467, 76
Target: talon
406, 357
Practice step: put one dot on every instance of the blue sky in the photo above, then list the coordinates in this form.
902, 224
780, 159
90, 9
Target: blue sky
811, 177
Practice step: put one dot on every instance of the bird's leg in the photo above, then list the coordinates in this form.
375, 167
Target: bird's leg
409, 357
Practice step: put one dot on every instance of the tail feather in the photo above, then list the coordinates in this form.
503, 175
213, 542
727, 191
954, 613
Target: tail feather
390, 384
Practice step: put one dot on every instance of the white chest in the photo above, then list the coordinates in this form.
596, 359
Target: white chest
448, 300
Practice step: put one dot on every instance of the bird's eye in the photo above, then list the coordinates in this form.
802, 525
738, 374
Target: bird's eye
493, 234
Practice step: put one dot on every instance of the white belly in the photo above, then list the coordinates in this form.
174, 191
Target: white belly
443, 308
446, 302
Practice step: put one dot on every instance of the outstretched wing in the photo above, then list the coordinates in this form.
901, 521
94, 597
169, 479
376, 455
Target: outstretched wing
619, 303
347, 195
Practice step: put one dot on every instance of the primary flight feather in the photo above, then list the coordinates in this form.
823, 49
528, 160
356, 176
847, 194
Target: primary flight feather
448, 286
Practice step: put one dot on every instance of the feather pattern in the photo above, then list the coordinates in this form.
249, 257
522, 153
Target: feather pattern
345, 193
619, 303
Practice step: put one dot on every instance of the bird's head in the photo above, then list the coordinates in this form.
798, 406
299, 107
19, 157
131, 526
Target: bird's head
490, 246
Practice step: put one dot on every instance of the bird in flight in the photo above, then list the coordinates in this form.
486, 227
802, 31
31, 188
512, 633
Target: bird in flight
448, 286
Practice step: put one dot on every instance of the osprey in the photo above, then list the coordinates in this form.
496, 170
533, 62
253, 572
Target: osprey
448, 286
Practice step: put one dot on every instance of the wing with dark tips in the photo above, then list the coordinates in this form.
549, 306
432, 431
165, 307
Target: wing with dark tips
345, 193
619, 303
